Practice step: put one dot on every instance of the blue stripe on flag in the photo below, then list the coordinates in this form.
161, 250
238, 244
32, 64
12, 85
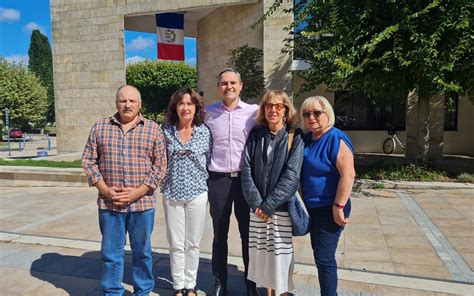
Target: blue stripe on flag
170, 20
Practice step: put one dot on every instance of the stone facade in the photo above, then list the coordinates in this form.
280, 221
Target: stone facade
88, 62
89, 58
276, 64
224, 29
230, 27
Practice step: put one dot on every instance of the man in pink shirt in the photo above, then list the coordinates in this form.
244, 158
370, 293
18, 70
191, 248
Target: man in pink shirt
230, 122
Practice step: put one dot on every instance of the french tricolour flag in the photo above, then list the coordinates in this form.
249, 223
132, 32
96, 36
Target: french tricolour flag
170, 29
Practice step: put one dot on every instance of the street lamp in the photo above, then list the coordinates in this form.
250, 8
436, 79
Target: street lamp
7, 123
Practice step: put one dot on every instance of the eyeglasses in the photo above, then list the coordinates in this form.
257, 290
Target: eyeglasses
278, 106
315, 113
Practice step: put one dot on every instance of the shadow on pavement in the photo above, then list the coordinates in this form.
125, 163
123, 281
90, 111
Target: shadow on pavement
89, 266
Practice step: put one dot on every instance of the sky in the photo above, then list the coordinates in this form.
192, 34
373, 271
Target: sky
18, 18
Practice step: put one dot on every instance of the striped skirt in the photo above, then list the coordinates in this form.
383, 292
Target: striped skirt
271, 252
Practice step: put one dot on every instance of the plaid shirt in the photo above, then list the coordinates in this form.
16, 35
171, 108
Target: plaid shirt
125, 159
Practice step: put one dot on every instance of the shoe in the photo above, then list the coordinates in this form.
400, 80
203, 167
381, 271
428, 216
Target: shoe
219, 289
180, 291
191, 292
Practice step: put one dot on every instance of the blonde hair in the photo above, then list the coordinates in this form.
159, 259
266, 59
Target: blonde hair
290, 112
311, 101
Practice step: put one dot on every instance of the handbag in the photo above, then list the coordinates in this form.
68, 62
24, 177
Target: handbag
300, 220
299, 216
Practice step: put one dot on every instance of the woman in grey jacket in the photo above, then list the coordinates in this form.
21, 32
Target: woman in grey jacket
270, 177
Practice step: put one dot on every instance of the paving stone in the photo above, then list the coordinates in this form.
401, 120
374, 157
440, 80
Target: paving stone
67, 285
376, 241
376, 266
427, 271
386, 290
22, 281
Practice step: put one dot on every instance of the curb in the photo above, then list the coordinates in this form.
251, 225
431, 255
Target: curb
386, 184
15, 176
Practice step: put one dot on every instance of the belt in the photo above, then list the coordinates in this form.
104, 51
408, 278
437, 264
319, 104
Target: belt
228, 175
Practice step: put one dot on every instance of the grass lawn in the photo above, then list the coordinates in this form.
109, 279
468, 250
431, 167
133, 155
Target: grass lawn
42, 163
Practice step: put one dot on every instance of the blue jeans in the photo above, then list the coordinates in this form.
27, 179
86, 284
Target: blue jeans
114, 227
325, 235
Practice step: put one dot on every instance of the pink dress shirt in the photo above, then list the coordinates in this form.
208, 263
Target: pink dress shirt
230, 130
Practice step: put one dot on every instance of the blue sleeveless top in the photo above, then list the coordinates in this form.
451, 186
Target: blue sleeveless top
319, 175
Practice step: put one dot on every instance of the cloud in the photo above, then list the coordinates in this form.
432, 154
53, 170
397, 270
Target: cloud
134, 59
9, 15
34, 26
18, 59
140, 43
191, 61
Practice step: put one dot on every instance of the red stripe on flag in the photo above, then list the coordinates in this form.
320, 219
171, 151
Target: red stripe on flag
170, 52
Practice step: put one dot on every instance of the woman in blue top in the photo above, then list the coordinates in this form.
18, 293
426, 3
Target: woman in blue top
327, 177
188, 147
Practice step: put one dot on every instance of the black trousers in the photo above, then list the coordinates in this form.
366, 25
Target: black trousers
223, 192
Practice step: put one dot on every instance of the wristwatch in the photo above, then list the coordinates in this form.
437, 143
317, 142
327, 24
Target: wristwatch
339, 206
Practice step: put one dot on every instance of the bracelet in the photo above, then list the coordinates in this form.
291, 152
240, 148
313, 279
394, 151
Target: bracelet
339, 206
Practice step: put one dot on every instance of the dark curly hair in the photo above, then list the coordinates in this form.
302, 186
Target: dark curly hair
171, 114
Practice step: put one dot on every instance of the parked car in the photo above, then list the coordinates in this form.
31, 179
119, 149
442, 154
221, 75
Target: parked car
16, 133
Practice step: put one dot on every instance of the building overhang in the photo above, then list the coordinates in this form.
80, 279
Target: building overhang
146, 22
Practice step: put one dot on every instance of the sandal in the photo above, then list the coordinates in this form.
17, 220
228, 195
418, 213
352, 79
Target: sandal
180, 291
191, 292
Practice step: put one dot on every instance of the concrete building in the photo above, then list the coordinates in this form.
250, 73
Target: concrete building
89, 59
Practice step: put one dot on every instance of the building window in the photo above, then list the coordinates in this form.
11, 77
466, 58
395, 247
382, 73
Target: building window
451, 112
356, 111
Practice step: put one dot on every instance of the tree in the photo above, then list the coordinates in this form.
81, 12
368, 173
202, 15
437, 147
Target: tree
157, 81
41, 63
23, 94
421, 48
248, 62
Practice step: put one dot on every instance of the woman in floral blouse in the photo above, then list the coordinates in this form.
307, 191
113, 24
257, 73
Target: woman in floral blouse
188, 145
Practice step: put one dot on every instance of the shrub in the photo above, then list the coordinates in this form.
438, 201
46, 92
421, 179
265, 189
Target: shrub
409, 172
466, 178
248, 62
157, 81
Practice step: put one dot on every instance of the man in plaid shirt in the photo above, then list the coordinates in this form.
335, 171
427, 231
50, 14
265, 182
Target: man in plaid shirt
125, 159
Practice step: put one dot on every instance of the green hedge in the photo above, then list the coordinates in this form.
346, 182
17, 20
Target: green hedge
157, 80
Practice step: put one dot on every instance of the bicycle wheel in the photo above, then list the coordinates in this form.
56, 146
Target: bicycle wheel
388, 145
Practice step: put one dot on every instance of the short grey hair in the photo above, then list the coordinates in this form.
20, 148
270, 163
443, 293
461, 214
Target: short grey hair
228, 70
121, 87
311, 101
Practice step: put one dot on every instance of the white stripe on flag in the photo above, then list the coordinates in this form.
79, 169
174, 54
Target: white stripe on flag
170, 36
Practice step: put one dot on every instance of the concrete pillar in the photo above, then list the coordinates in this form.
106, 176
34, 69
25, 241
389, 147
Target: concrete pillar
277, 65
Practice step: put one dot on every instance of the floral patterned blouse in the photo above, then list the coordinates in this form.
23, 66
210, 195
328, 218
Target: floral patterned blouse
186, 174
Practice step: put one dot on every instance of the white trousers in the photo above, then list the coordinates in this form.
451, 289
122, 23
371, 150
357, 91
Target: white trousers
184, 228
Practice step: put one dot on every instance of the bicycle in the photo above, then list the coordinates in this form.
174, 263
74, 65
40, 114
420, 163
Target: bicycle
390, 144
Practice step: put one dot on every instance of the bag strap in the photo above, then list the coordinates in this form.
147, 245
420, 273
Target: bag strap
290, 143
290, 138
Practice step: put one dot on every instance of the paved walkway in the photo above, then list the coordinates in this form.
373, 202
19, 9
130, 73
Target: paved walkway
28, 147
412, 242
